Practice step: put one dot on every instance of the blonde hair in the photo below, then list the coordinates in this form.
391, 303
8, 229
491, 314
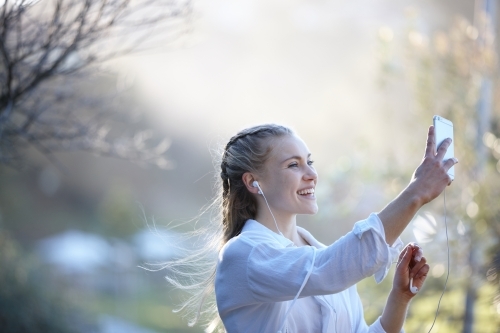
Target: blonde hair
247, 151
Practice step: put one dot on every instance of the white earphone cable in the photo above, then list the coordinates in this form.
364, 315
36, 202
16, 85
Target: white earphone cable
448, 269
262, 192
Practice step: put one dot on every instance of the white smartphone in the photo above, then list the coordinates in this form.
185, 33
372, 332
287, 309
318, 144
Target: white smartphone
443, 128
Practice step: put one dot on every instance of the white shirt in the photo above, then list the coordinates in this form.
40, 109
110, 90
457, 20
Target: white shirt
259, 273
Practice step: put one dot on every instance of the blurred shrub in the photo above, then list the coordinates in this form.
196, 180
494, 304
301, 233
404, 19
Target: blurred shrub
118, 212
25, 305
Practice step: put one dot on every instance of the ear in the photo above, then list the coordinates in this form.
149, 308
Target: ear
248, 179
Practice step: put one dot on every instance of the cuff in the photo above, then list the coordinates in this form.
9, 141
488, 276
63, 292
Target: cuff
376, 327
389, 253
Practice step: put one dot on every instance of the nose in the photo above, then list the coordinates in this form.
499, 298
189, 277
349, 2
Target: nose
311, 174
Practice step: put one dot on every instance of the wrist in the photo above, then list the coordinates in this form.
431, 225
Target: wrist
395, 310
399, 297
414, 196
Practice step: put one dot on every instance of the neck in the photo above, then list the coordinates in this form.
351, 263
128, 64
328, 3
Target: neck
287, 224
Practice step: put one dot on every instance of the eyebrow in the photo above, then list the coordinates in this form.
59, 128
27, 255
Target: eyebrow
296, 157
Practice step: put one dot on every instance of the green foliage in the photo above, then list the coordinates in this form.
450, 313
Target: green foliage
24, 304
454, 74
451, 310
118, 212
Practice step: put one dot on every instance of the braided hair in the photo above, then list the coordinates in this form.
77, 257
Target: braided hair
247, 151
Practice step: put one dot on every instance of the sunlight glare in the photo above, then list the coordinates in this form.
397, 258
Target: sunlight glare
424, 227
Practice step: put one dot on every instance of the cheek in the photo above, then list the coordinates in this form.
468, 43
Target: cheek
280, 189
271, 189
278, 184
281, 185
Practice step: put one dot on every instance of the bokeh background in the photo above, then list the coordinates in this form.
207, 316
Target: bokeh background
358, 80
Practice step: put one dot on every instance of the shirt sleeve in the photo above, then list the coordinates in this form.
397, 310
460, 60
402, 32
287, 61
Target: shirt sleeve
374, 224
275, 273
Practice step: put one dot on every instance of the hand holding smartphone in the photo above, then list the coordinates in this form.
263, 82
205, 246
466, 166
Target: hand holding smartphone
443, 129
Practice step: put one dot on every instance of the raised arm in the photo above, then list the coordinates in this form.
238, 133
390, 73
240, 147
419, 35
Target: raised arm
428, 181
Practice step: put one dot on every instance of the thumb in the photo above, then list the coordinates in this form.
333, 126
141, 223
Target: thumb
404, 259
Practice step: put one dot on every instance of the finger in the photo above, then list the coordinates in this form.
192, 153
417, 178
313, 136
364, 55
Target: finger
443, 147
418, 266
407, 249
412, 249
421, 275
403, 252
404, 260
417, 254
449, 163
419, 279
414, 246
430, 150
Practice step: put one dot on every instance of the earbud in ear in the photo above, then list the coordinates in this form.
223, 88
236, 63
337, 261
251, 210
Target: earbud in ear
256, 184
413, 289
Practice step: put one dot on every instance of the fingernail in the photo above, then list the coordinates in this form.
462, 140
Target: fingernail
455, 160
419, 255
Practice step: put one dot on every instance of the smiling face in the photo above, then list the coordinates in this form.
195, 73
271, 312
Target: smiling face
289, 178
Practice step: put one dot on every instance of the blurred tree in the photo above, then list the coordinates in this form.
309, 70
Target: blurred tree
453, 74
48, 47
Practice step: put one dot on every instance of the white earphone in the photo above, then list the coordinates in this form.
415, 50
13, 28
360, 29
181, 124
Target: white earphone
256, 184
413, 289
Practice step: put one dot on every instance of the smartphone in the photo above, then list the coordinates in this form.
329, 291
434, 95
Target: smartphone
443, 128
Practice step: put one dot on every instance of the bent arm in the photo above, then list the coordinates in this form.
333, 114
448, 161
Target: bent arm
428, 181
408, 267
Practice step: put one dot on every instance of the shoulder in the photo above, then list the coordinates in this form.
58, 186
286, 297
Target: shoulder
250, 245
242, 244
253, 234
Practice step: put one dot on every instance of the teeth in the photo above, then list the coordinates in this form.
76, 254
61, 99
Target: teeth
308, 191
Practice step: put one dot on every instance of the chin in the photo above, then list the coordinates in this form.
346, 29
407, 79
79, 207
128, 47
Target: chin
311, 211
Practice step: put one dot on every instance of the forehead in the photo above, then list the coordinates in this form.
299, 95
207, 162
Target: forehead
289, 146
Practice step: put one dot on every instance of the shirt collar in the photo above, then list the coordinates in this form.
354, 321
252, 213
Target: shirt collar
252, 225
309, 238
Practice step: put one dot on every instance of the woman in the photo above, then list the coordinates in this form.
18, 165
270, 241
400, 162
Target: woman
273, 276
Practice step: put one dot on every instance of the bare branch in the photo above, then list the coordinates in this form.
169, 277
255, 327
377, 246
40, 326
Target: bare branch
50, 45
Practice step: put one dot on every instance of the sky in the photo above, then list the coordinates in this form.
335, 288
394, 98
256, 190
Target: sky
311, 65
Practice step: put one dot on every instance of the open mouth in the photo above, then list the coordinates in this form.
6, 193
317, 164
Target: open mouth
306, 192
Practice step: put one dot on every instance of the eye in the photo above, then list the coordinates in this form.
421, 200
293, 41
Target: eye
293, 165
310, 162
